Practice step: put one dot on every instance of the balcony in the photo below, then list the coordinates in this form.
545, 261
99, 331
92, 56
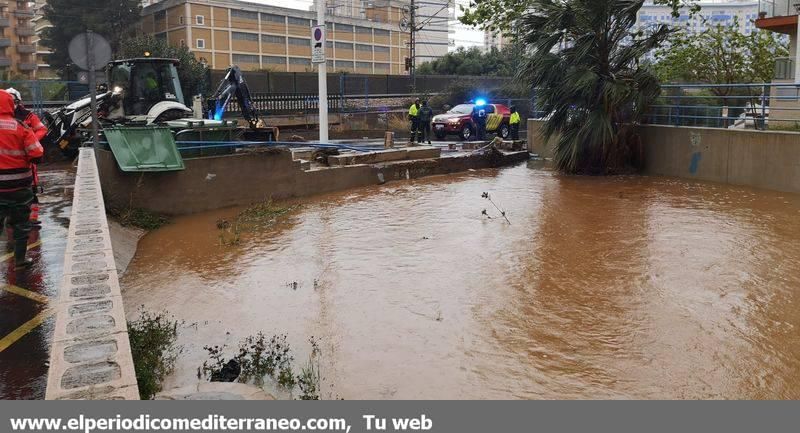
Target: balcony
5, 22
25, 31
4, 62
26, 66
26, 48
778, 15
23, 13
784, 68
5, 42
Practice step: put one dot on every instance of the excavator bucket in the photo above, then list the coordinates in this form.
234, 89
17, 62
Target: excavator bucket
144, 148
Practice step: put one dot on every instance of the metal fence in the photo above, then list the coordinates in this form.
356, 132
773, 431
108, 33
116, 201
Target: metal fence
734, 106
355, 84
42, 95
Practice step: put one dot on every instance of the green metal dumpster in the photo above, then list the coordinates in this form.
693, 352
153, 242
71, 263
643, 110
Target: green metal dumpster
144, 148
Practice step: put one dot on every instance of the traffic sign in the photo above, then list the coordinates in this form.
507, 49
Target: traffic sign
318, 44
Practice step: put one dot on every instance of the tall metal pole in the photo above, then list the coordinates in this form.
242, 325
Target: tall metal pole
413, 44
322, 73
92, 85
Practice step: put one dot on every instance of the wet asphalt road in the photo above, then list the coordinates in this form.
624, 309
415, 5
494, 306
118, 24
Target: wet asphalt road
26, 321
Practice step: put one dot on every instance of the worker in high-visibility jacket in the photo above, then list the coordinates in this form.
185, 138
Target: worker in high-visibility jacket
31, 120
513, 123
413, 117
19, 148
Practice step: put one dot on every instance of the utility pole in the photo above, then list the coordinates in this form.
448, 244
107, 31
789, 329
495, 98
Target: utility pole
412, 49
322, 75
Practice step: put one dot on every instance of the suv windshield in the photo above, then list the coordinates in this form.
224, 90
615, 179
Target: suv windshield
462, 109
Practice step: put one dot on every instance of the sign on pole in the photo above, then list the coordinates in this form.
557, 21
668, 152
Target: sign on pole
318, 44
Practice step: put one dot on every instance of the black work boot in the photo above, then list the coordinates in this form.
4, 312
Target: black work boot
20, 249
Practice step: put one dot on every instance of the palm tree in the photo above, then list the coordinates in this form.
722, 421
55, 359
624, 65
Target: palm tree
584, 61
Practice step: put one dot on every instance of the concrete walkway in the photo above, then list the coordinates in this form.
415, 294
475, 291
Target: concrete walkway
26, 297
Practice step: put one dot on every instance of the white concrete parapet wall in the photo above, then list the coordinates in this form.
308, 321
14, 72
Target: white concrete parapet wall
90, 357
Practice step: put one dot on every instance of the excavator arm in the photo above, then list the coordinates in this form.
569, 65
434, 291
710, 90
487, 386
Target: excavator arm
232, 86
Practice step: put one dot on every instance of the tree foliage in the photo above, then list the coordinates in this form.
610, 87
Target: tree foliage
499, 16
474, 61
720, 55
113, 19
193, 75
585, 66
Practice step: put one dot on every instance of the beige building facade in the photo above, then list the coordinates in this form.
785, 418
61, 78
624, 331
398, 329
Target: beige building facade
263, 37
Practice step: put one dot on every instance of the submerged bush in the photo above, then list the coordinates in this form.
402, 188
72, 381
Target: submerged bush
260, 358
152, 337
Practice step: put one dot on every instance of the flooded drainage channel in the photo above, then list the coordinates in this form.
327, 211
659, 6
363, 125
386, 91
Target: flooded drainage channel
638, 287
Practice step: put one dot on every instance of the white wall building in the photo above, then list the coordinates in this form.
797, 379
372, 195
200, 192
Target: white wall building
712, 13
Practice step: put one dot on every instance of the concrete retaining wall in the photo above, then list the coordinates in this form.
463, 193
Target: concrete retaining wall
761, 159
242, 179
90, 356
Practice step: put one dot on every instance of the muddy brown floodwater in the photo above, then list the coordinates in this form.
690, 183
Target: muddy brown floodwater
621, 287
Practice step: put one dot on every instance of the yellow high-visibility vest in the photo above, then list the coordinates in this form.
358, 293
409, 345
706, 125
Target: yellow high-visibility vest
413, 111
514, 118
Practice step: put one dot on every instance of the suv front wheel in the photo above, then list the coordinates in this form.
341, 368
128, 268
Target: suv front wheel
466, 132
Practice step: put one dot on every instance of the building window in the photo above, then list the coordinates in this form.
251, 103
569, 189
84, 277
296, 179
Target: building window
363, 30
328, 44
343, 46
298, 21
344, 28
245, 58
273, 18
241, 36
181, 20
364, 48
329, 63
344, 65
381, 32
381, 66
247, 15
300, 41
363, 65
273, 60
200, 43
200, 20
270, 39
384, 50
299, 61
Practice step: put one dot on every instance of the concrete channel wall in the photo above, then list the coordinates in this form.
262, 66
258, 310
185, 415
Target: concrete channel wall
761, 159
241, 179
90, 357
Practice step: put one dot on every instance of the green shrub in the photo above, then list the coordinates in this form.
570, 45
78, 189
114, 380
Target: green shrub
152, 338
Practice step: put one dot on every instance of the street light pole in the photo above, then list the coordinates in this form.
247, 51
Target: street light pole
322, 73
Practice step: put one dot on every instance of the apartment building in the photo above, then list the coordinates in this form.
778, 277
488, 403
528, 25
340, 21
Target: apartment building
256, 36
38, 22
17, 51
712, 13
433, 19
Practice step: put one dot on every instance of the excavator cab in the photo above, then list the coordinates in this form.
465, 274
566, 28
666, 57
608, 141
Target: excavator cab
140, 85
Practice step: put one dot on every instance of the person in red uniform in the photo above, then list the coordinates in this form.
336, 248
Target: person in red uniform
19, 149
31, 120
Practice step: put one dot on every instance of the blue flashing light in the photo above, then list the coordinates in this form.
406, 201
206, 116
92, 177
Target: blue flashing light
219, 111
480, 102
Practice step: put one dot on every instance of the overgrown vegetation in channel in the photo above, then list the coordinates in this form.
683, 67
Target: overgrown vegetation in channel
152, 337
257, 216
139, 218
259, 360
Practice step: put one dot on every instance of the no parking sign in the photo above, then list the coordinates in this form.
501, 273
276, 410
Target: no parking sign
318, 44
